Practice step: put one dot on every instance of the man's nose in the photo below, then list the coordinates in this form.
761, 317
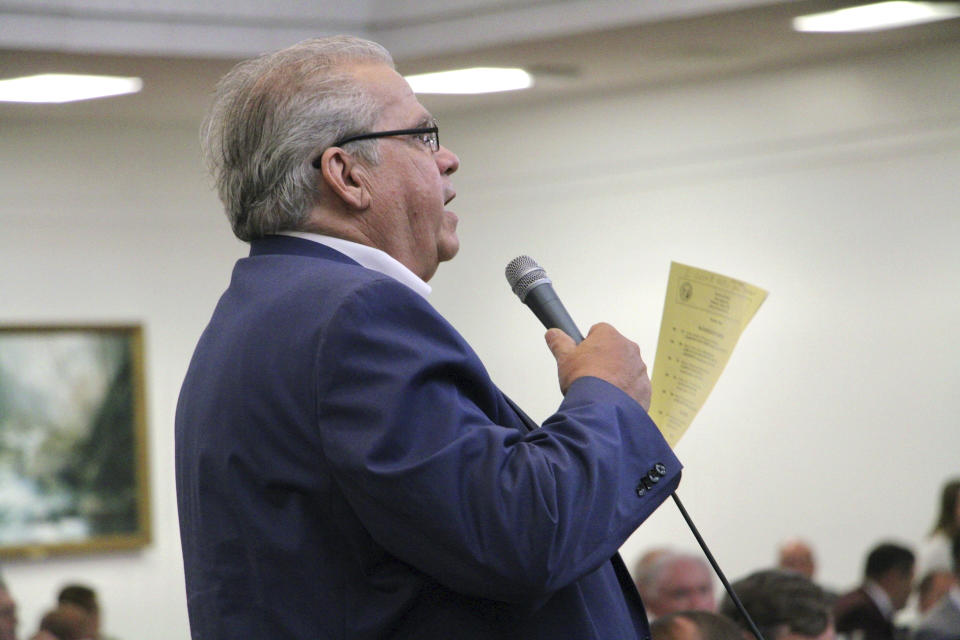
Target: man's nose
447, 161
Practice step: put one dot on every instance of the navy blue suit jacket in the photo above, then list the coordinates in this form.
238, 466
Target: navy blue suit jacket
347, 469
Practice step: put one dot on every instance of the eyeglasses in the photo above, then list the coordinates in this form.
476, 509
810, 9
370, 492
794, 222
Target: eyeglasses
430, 136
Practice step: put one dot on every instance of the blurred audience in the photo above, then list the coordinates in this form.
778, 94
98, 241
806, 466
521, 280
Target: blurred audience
797, 555
678, 591
671, 581
931, 588
8, 614
84, 597
934, 568
694, 625
66, 622
783, 604
934, 554
867, 612
942, 621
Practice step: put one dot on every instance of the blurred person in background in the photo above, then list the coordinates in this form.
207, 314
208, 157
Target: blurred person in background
934, 554
670, 581
867, 612
66, 622
932, 588
942, 622
8, 614
85, 598
934, 567
797, 555
695, 625
783, 604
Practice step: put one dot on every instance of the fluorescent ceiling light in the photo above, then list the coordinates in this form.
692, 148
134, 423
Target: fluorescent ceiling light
474, 80
61, 87
876, 17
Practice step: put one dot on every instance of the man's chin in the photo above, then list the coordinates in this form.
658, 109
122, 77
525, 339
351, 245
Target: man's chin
448, 244
448, 248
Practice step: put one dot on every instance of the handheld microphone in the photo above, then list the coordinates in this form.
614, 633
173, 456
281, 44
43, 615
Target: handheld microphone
531, 284
529, 281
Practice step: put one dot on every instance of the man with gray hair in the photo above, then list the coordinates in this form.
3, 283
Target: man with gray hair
671, 581
345, 466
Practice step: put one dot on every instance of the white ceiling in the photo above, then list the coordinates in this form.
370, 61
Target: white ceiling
181, 47
240, 28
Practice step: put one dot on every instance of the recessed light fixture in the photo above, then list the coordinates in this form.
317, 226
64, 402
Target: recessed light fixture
62, 87
877, 16
473, 80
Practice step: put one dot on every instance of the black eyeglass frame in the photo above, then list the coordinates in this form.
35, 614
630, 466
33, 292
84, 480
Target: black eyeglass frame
435, 130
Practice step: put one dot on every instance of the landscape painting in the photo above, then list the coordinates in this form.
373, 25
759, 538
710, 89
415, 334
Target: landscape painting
73, 472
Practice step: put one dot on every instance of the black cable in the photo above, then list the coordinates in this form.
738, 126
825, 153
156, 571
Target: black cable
716, 568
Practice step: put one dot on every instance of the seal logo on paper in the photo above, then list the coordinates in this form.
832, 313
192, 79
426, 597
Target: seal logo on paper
686, 290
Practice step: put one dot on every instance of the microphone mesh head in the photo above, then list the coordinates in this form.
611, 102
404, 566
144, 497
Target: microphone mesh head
523, 274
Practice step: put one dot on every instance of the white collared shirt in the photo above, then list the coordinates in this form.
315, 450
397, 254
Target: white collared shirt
880, 598
368, 257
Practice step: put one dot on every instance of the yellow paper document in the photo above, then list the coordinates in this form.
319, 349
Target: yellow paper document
703, 317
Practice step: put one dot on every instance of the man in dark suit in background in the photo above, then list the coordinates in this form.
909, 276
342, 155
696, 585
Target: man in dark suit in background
942, 622
345, 466
867, 612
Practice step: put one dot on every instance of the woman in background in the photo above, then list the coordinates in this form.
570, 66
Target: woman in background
935, 552
934, 568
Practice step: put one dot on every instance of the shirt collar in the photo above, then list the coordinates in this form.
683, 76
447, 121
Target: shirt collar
369, 257
880, 598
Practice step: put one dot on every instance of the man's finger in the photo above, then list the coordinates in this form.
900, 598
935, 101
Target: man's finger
559, 343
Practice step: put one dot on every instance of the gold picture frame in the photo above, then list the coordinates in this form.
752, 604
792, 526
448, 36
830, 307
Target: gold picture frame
73, 449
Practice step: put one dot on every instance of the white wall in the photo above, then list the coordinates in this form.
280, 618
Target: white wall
103, 223
834, 187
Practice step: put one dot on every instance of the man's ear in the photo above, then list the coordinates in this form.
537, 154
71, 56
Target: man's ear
346, 177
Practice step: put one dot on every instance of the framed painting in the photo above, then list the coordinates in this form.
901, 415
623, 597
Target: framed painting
73, 455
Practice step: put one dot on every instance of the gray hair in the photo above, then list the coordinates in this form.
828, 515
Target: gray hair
272, 115
648, 575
